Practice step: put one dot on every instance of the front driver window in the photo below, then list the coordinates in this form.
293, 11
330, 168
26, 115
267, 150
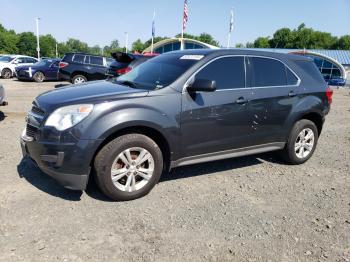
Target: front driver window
228, 72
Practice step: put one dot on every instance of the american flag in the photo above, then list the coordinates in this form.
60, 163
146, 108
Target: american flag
231, 21
185, 19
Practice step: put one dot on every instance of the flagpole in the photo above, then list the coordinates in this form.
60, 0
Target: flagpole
153, 30
228, 39
230, 30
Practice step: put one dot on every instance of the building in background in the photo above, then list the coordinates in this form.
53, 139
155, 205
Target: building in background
173, 44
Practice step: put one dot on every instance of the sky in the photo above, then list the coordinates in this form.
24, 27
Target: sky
100, 22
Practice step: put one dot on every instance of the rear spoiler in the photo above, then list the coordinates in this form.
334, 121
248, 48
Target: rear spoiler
122, 57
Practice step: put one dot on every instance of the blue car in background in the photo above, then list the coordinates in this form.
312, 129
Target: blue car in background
46, 69
336, 81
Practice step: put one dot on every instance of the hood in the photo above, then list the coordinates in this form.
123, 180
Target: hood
91, 92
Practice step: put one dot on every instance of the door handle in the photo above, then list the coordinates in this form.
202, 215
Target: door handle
291, 93
241, 100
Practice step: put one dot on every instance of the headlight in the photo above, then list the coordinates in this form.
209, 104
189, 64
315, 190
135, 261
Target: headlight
68, 116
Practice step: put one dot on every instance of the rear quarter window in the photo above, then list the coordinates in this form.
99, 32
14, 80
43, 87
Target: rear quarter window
96, 60
310, 68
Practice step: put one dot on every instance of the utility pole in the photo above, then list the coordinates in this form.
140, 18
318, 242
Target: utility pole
56, 51
126, 41
37, 37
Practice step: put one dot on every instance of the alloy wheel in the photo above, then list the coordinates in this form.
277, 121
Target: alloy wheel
304, 143
132, 169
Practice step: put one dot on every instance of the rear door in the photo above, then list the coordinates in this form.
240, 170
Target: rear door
52, 70
220, 120
274, 91
97, 67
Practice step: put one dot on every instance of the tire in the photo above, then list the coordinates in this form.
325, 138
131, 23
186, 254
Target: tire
78, 79
298, 149
6, 73
130, 181
39, 77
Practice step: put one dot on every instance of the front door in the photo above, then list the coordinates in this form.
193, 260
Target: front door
219, 120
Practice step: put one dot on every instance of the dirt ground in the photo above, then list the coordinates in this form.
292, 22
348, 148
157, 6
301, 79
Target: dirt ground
246, 209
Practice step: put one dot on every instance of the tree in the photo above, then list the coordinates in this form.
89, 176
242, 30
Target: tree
343, 43
138, 46
262, 42
281, 38
75, 45
27, 44
47, 46
203, 37
95, 50
239, 45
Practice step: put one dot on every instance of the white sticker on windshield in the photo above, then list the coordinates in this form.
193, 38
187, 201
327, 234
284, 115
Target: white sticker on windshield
192, 57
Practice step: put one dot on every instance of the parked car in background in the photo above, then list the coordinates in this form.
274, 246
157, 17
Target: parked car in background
177, 109
335, 81
2, 96
8, 63
45, 69
79, 68
125, 62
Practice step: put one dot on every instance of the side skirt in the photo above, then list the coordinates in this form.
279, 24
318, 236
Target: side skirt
228, 154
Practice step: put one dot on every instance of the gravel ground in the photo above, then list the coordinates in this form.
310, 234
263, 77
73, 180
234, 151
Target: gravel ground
246, 209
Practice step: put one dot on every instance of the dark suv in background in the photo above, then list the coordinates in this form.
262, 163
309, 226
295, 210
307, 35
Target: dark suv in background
79, 68
125, 62
177, 109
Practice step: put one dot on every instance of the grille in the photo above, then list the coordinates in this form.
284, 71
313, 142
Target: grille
36, 110
31, 130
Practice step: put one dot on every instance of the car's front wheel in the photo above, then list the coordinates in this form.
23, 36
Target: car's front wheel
301, 143
6, 73
128, 167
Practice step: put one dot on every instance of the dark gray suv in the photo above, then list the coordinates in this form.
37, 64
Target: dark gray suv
177, 109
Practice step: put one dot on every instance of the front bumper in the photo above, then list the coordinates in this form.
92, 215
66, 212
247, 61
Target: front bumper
68, 163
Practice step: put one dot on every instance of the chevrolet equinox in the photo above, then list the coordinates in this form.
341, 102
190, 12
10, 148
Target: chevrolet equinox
177, 109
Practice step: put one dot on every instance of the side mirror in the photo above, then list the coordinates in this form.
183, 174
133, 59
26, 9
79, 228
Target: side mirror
203, 85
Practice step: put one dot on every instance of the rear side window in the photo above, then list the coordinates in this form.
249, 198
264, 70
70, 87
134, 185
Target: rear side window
78, 58
228, 72
96, 60
266, 72
311, 69
291, 78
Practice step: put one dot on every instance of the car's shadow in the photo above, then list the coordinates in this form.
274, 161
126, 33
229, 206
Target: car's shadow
2, 116
29, 171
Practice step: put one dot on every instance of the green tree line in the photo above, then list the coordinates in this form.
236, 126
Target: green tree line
300, 38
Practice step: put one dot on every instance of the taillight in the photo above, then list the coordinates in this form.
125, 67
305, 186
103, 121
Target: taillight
62, 64
329, 94
122, 71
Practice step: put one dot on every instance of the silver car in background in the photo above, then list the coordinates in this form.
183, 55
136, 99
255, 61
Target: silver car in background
2, 96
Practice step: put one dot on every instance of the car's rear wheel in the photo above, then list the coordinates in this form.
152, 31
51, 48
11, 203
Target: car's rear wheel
301, 143
39, 77
128, 167
78, 79
6, 73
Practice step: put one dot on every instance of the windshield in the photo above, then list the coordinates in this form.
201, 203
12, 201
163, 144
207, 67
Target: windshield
6, 59
157, 72
41, 63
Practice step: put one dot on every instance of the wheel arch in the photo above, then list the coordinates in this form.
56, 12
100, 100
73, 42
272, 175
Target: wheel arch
157, 136
7, 68
75, 73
